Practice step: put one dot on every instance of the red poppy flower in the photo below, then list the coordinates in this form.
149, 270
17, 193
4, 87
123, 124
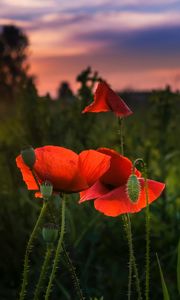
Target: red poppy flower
105, 99
110, 191
67, 171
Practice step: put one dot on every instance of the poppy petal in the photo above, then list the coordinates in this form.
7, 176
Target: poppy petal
55, 164
38, 195
117, 202
105, 99
95, 191
93, 164
78, 183
116, 103
120, 168
26, 173
99, 104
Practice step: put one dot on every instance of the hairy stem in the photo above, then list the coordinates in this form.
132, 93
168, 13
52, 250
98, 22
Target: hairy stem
43, 273
147, 280
58, 251
147, 237
28, 251
132, 260
127, 221
73, 274
120, 123
35, 178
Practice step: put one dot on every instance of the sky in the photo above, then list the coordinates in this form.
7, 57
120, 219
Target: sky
133, 44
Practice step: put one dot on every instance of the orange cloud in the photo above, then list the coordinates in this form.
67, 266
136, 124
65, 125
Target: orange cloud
53, 71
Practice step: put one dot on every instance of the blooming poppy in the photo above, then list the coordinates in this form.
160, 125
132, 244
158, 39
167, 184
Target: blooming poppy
110, 190
67, 171
105, 99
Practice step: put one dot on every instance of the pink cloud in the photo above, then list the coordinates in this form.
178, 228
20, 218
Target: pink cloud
52, 71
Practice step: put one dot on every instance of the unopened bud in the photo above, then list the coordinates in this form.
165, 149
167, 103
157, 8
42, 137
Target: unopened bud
29, 157
133, 188
46, 189
50, 233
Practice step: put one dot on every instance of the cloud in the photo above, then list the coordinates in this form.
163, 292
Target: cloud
121, 39
149, 42
143, 2
120, 75
30, 3
61, 33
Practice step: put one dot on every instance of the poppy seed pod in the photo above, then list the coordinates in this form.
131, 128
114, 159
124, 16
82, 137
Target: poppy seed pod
133, 188
29, 157
46, 190
50, 233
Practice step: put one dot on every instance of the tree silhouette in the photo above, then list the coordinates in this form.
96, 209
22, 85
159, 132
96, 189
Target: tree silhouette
13, 54
87, 79
65, 94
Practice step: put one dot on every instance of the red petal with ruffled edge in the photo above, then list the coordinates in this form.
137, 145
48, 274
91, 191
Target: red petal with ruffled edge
26, 173
93, 165
99, 104
116, 103
105, 99
95, 191
57, 165
117, 202
120, 168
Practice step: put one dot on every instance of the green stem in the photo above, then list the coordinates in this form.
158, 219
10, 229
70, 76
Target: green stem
147, 282
58, 251
130, 257
120, 123
35, 178
73, 274
28, 251
127, 224
147, 237
43, 273
132, 260
127, 221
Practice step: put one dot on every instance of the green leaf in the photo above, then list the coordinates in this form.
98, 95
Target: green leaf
164, 287
178, 268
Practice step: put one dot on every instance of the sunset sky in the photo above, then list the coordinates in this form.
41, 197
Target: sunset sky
132, 43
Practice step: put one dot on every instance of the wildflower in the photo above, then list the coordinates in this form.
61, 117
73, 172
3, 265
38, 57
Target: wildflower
105, 99
110, 191
67, 171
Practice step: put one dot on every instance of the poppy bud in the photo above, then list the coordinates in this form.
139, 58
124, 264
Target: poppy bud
133, 188
29, 157
50, 233
46, 189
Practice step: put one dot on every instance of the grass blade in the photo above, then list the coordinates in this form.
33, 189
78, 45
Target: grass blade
164, 287
178, 268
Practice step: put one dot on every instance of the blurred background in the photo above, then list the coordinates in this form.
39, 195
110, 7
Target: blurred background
51, 55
